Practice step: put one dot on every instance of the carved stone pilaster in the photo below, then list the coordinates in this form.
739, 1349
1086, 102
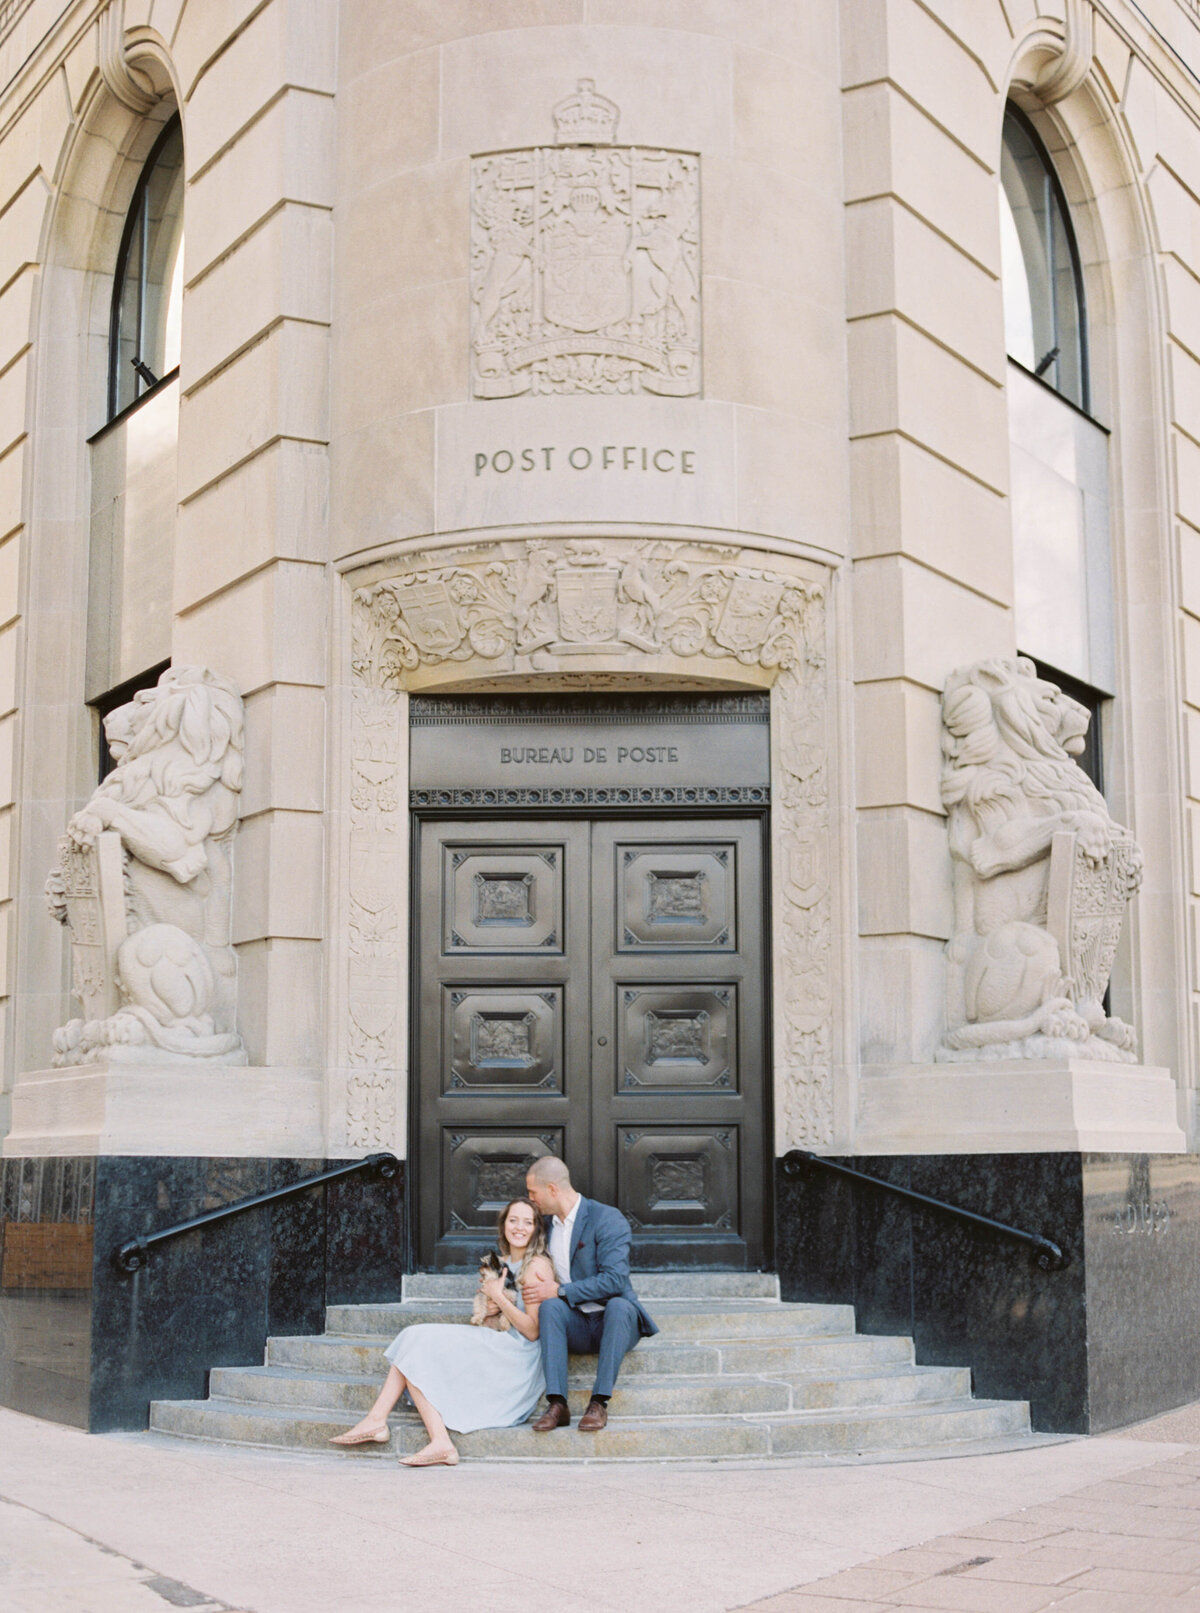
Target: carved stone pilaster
803, 940
377, 917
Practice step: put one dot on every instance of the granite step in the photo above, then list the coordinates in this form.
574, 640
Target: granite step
700, 1438
364, 1356
735, 1374
677, 1319
668, 1395
757, 1285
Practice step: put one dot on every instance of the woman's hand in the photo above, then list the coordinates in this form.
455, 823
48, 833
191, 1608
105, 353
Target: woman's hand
493, 1287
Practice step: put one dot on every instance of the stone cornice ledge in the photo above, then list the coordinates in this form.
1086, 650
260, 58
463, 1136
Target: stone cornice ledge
1017, 1106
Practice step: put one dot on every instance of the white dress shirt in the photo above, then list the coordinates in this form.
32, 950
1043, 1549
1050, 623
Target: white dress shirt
559, 1250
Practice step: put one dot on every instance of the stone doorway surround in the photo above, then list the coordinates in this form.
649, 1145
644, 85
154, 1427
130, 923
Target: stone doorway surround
542, 613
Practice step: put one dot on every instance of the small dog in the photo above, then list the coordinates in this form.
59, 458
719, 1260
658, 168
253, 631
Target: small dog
491, 1266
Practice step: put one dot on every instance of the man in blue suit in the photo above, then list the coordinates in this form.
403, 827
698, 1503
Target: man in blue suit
590, 1305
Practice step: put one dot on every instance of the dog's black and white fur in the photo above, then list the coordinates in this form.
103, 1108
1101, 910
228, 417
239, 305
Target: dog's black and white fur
491, 1266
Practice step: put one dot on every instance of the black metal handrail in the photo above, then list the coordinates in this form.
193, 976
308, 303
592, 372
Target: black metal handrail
132, 1255
1047, 1253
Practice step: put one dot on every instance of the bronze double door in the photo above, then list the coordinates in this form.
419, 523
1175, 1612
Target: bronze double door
593, 988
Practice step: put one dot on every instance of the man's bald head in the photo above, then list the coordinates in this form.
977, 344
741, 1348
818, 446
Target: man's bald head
548, 1183
550, 1170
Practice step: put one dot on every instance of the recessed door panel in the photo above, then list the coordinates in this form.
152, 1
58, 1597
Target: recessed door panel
679, 1179
482, 1170
593, 988
677, 1038
502, 899
504, 1041
673, 896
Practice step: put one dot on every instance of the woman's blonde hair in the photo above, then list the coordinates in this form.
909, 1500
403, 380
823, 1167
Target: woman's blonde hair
537, 1244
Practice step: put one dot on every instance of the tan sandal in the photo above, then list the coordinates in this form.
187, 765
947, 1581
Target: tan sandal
368, 1436
449, 1459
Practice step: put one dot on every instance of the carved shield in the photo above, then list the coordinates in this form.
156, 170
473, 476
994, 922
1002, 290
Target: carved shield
748, 613
588, 284
431, 618
93, 890
1086, 907
587, 603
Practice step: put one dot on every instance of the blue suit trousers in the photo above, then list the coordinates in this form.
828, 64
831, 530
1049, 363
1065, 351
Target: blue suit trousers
610, 1333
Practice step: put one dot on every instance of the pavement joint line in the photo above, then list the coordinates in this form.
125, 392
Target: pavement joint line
161, 1584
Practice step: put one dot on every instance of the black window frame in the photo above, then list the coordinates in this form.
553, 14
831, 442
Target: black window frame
135, 215
1084, 402
120, 695
1093, 700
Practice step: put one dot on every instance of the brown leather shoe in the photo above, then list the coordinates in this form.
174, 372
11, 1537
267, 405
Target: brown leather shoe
555, 1415
594, 1418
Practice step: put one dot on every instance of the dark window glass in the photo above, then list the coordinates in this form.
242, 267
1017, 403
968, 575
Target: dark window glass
1091, 758
120, 696
148, 289
1043, 288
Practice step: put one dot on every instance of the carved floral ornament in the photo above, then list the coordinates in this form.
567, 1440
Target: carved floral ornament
608, 609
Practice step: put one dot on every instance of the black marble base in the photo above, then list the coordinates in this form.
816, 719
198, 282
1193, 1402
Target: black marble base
46, 1253
1107, 1342
209, 1298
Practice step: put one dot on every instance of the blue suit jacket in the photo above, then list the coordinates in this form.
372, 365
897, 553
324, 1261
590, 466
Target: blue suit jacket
600, 1242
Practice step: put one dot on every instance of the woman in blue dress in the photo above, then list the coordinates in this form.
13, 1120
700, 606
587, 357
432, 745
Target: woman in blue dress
469, 1377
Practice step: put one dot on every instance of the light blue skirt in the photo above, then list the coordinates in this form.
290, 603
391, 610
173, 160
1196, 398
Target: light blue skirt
474, 1376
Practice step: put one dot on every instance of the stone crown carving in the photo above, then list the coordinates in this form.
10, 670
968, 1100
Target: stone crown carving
585, 118
585, 263
144, 882
1042, 873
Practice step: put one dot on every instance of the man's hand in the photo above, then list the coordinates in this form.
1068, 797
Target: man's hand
536, 1289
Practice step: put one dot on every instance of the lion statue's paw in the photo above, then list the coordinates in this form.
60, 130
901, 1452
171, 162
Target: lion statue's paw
1120, 1034
1060, 1019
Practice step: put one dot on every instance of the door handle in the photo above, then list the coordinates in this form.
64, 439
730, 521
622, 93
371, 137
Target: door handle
602, 1041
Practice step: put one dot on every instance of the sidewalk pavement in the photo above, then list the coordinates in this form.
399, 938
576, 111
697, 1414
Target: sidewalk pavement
140, 1524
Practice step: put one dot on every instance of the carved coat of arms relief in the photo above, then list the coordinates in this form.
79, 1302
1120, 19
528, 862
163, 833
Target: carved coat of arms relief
585, 263
578, 597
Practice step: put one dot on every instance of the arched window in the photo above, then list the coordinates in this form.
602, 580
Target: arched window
1043, 289
1058, 454
148, 287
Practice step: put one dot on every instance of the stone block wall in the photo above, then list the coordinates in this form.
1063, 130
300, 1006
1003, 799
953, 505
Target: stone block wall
851, 410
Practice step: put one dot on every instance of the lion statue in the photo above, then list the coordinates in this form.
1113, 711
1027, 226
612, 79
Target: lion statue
144, 881
1042, 873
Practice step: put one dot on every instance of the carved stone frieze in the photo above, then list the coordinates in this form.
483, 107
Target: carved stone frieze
578, 597
585, 263
626, 610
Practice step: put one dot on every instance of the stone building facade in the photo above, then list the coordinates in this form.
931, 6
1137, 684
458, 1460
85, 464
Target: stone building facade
583, 472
